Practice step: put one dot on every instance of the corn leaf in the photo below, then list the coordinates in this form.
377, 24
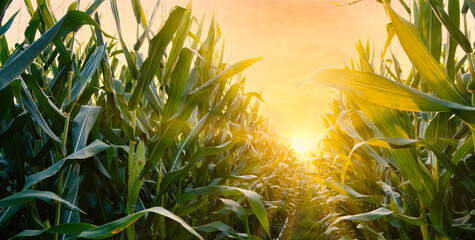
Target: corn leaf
28, 195
238, 210
253, 198
156, 50
82, 125
425, 63
450, 25
382, 91
218, 226
368, 216
109, 229
70, 22
4, 28
92, 149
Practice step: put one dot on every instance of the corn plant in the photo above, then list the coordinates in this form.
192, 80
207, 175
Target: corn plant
96, 138
397, 160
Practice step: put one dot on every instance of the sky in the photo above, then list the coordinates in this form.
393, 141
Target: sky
296, 38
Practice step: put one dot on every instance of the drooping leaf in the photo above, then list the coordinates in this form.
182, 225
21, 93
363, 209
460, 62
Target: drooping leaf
92, 149
368, 216
4, 28
88, 231
422, 59
82, 125
28, 195
238, 210
382, 91
218, 226
29, 103
70, 22
253, 198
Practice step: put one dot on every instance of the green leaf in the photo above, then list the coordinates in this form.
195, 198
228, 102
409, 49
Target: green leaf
382, 91
437, 128
450, 25
465, 148
7, 25
86, 74
347, 190
138, 11
51, 110
73, 21
112, 228
440, 215
82, 125
254, 200
205, 121
130, 63
70, 192
156, 50
93, 7
135, 182
3, 7
365, 227
218, 226
368, 216
469, 5
92, 149
30, 104
225, 74
15, 126
393, 194
451, 47
442, 158
177, 46
422, 59
391, 33
68, 228
8, 213
177, 83
70, 22
413, 220
238, 210
28, 195
89, 231
180, 173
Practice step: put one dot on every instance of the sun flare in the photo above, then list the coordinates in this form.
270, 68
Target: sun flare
301, 146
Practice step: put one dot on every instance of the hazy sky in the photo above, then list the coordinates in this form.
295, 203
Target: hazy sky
296, 38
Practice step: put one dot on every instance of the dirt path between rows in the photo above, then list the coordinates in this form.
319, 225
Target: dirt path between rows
303, 225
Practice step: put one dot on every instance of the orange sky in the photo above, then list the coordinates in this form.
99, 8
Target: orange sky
295, 37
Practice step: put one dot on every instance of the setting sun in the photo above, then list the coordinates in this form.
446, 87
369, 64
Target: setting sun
301, 146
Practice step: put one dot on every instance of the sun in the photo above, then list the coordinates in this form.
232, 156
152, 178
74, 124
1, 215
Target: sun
301, 146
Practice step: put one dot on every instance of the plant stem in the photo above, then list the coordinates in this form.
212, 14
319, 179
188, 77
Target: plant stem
130, 206
60, 174
424, 229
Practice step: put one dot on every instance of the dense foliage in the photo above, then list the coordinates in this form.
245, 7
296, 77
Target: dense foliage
96, 138
398, 158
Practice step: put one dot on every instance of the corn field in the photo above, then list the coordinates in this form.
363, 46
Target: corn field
397, 161
107, 139
159, 139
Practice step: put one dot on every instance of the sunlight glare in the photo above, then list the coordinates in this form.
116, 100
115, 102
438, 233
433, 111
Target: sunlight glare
301, 146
